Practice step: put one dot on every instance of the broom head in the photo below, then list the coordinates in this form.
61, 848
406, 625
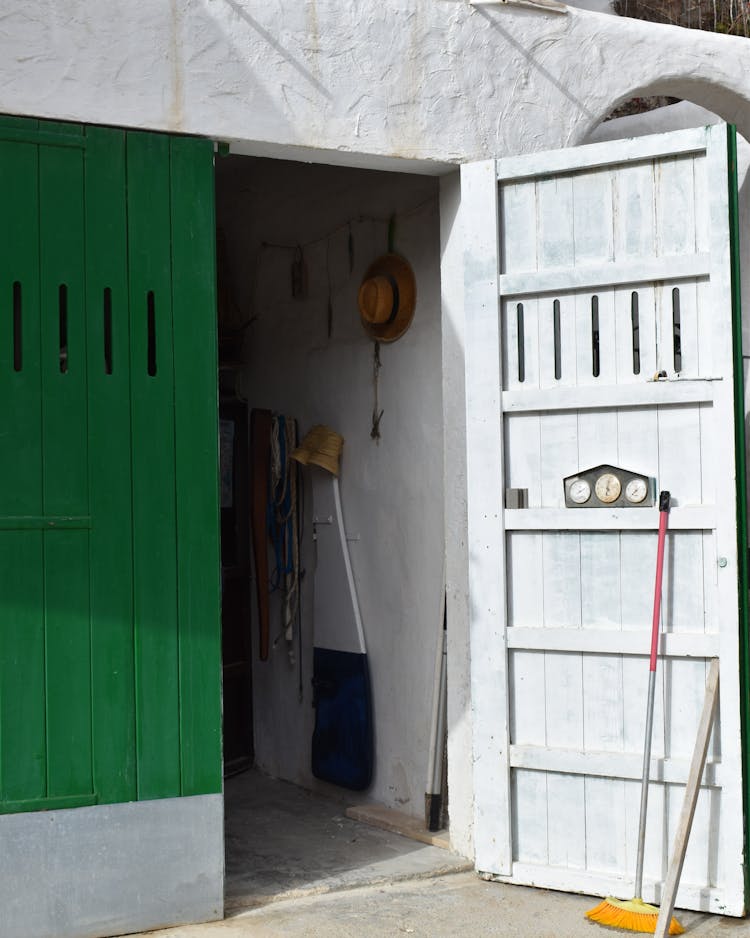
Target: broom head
631, 914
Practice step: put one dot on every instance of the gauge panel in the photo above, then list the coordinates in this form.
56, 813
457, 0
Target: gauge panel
608, 486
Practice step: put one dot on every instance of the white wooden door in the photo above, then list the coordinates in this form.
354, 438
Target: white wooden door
588, 271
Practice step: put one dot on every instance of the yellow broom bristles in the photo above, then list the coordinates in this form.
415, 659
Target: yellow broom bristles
631, 914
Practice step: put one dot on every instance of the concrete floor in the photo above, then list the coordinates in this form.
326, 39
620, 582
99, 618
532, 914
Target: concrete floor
298, 868
447, 906
283, 842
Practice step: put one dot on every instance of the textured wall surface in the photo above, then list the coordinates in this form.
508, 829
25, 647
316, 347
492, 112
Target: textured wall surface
419, 79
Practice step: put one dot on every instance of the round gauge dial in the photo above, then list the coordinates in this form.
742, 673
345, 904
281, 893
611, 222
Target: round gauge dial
636, 490
607, 488
579, 491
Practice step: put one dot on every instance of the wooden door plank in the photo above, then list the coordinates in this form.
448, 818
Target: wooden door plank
66, 553
23, 751
193, 271
20, 442
674, 200
530, 817
554, 224
485, 485
574, 159
23, 768
108, 353
687, 518
604, 396
690, 800
593, 221
68, 661
518, 223
153, 467
633, 189
600, 276
63, 357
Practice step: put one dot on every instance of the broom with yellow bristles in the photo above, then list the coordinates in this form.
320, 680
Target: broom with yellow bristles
635, 914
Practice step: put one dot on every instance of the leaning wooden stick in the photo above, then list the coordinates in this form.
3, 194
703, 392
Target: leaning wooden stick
691, 799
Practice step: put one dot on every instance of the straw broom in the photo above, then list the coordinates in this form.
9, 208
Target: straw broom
635, 914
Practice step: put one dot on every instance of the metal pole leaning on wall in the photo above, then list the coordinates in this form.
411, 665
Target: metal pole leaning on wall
433, 799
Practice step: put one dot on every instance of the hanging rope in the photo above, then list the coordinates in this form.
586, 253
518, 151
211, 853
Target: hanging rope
377, 414
283, 527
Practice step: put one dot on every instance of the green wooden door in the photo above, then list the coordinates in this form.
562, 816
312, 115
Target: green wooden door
109, 593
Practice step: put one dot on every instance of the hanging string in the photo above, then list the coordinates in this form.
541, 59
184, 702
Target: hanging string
377, 414
391, 234
346, 225
329, 319
283, 527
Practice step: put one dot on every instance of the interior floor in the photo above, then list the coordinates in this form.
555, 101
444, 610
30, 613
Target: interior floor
284, 842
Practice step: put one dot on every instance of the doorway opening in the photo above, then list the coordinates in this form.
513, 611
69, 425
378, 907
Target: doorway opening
294, 243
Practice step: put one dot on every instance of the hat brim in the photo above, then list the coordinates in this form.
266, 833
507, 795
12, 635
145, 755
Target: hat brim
321, 447
393, 265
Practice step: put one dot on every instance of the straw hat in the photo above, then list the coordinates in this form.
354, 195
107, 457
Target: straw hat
387, 298
321, 447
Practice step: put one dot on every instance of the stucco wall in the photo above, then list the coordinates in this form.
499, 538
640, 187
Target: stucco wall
415, 79
392, 490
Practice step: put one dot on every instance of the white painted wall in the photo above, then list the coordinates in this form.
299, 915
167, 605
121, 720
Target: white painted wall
422, 80
392, 491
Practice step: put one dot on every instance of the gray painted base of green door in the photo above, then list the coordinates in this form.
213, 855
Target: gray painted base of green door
112, 869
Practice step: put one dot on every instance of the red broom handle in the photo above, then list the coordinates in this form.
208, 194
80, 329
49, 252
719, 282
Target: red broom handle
663, 516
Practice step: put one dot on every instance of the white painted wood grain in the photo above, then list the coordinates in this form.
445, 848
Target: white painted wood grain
593, 227
633, 188
518, 213
524, 550
598, 397
602, 703
683, 595
688, 314
610, 764
639, 149
687, 518
705, 314
551, 279
555, 224
674, 203
528, 712
566, 821
692, 895
485, 487
530, 817
614, 641
510, 346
